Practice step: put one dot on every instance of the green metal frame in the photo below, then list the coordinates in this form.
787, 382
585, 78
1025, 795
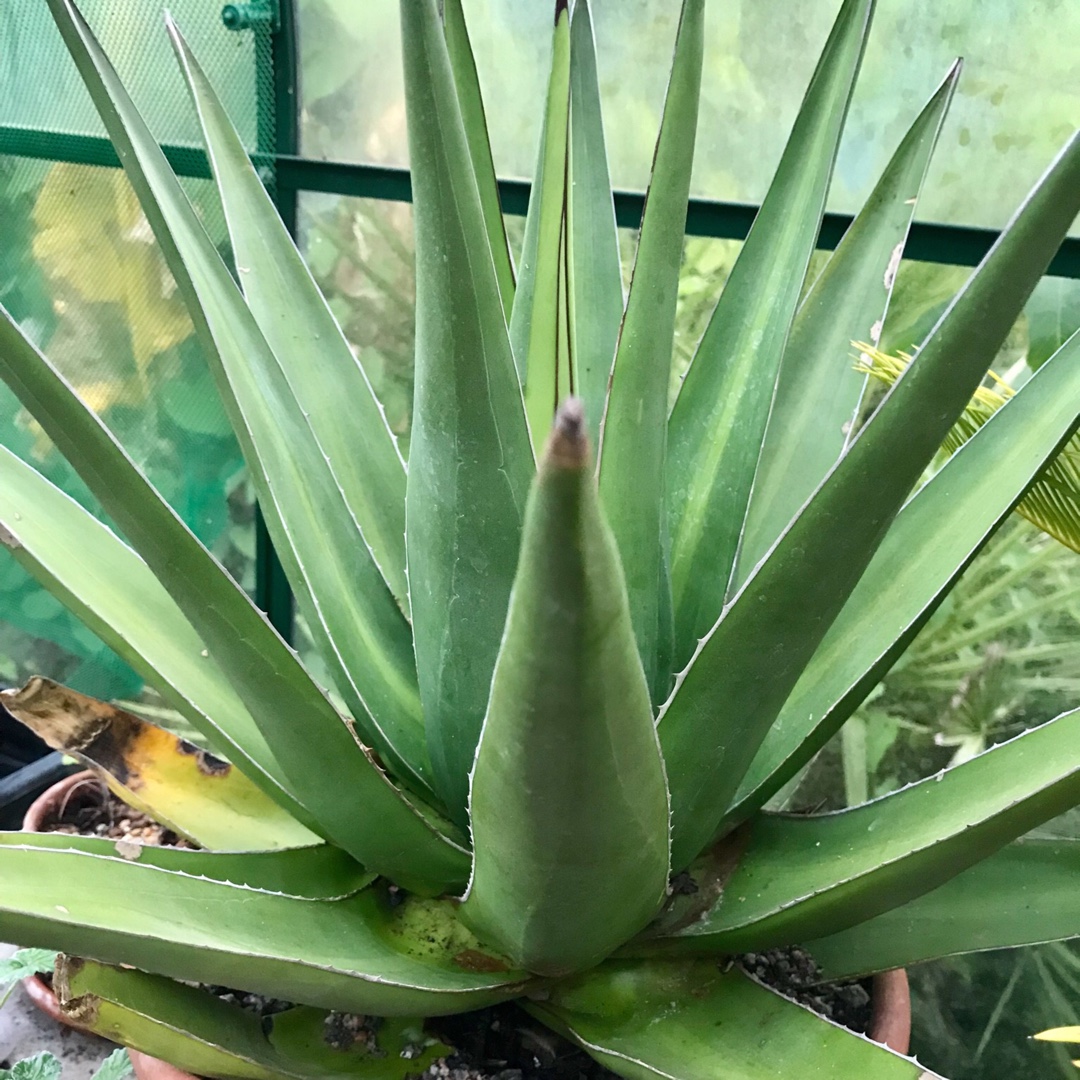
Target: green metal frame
958, 245
287, 174
277, 44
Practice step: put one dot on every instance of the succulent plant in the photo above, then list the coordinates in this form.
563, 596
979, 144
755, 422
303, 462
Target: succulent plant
558, 686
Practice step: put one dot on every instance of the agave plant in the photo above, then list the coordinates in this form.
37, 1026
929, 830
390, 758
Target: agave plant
578, 641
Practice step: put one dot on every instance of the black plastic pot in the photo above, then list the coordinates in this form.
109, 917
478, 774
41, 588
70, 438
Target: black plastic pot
20, 787
27, 768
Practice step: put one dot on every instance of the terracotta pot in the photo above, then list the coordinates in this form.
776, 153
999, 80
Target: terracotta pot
890, 1021
47, 806
50, 804
152, 1068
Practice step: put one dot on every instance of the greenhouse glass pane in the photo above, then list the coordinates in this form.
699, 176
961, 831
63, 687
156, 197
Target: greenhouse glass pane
1018, 100
361, 254
42, 89
80, 271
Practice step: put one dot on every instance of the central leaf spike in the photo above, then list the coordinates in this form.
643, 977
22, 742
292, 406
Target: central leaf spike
568, 802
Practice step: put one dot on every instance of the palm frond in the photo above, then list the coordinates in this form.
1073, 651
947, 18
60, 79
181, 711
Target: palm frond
1053, 501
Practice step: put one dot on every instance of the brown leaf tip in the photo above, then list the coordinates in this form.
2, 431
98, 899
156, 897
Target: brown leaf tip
560, 7
568, 445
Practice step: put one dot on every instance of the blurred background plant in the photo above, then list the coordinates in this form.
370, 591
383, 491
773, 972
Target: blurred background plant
94, 291
82, 273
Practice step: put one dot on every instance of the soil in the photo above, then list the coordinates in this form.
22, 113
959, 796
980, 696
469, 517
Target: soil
505, 1043
795, 973
255, 1003
92, 810
499, 1043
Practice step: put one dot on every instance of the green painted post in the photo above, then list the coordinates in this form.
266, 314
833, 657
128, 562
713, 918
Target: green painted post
277, 122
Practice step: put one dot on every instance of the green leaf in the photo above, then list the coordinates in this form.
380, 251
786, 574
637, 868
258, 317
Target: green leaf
960, 508
238, 632
43, 1066
254, 655
718, 422
568, 804
102, 581
1025, 894
1052, 503
330, 386
1053, 314
201, 798
746, 668
542, 279
802, 878
319, 872
661, 1020
539, 346
817, 392
633, 433
399, 1048
476, 133
358, 627
520, 322
23, 963
202, 1034
357, 955
856, 766
594, 267
470, 459
539, 341
116, 1066
264, 672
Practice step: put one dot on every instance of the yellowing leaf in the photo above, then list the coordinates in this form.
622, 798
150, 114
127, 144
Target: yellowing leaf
1060, 1034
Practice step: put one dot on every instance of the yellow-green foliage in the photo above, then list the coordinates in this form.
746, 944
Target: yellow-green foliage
1053, 501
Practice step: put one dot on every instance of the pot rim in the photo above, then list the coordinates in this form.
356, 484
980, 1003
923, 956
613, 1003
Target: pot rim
890, 1018
37, 990
39, 810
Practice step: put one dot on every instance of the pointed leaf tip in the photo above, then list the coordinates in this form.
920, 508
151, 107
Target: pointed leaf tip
568, 799
1060, 1034
560, 7
568, 444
